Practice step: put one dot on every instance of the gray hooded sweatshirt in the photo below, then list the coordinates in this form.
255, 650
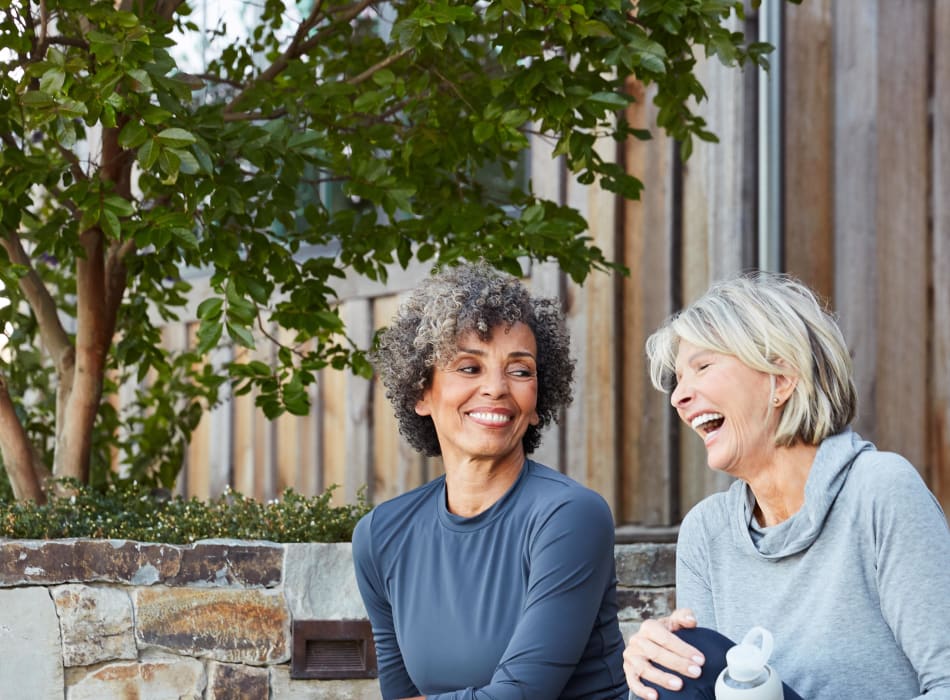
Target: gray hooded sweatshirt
855, 587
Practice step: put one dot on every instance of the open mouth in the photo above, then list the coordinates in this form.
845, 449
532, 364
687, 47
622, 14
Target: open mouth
707, 423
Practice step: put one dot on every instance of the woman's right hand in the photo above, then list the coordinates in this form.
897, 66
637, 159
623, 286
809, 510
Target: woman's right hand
655, 643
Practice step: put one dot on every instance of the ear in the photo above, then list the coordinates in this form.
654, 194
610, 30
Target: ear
423, 406
784, 388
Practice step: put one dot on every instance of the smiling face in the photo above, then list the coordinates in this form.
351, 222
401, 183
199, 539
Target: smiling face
484, 398
727, 403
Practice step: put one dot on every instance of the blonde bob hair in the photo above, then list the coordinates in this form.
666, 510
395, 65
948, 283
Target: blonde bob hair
774, 324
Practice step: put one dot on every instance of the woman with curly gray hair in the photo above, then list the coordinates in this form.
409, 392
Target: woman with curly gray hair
497, 579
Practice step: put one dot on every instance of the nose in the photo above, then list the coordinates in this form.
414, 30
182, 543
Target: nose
495, 382
682, 393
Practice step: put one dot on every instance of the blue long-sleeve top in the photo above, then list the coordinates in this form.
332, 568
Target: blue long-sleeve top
518, 602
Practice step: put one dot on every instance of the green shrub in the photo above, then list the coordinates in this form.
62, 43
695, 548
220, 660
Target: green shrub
135, 512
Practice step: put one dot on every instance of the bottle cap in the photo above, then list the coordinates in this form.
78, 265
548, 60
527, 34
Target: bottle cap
747, 659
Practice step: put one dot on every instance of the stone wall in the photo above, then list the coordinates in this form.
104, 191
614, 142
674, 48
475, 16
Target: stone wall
101, 619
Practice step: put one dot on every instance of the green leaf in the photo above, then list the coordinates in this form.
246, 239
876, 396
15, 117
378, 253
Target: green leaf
240, 335
169, 163
483, 131
187, 163
148, 154
110, 224
155, 115
133, 135
176, 137
305, 139
384, 77
210, 309
52, 80
35, 98
610, 100
209, 335
186, 237
118, 205
107, 116
141, 80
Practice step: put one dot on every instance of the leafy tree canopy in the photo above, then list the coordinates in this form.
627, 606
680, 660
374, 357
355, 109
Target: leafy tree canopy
120, 169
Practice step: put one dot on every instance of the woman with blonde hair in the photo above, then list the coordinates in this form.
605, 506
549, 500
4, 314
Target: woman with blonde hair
835, 547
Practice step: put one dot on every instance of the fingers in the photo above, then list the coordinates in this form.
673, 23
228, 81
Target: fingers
680, 618
655, 644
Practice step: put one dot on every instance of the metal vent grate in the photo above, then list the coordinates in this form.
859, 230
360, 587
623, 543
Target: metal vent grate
341, 654
333, 649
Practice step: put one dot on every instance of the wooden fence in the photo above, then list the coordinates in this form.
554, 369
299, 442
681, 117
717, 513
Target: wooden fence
865, 220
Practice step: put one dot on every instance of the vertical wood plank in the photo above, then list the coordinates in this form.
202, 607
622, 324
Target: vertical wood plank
902, 215
939, 460
718, 225
308, 442
646, 481
220, 428
808, 120
591, 426
602, 349
286, 427
546, 279
175, 339
244, 437
332, 398
199, 478
357, 315
265, 447
576, 415
397, 467
855, 192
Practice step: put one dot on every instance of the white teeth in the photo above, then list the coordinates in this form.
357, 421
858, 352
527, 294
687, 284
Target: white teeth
704, 418
491, 417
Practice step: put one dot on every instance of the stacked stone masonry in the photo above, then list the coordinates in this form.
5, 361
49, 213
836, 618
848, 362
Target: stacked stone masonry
103, 619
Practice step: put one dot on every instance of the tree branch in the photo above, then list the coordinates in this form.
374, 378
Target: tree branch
166, 8
75, 167
253, 116
54, 336
299, 45
67, 41
17, 451
386, 62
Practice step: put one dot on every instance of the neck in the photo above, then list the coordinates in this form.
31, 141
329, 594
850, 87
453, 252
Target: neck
779, 487
473, 486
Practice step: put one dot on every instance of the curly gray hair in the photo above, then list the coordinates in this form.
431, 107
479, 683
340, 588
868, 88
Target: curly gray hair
424, 334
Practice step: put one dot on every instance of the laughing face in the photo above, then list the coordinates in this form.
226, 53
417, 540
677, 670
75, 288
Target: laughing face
727, 403
484, 398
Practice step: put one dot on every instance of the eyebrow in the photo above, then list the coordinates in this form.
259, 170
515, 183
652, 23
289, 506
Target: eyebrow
482, 353
692, 358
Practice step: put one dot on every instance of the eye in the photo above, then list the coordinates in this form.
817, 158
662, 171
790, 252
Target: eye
471, 369
521, 372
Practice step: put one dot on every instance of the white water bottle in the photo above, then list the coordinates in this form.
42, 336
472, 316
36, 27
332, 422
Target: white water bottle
747, 675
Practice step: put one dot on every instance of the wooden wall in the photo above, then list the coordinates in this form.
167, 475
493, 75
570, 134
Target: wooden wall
866, 221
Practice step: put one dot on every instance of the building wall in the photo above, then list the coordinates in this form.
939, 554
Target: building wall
864, 219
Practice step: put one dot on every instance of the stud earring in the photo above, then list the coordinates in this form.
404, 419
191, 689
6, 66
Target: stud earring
776, 400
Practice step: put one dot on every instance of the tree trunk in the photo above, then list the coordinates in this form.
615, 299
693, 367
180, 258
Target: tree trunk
100, 285
17, 452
